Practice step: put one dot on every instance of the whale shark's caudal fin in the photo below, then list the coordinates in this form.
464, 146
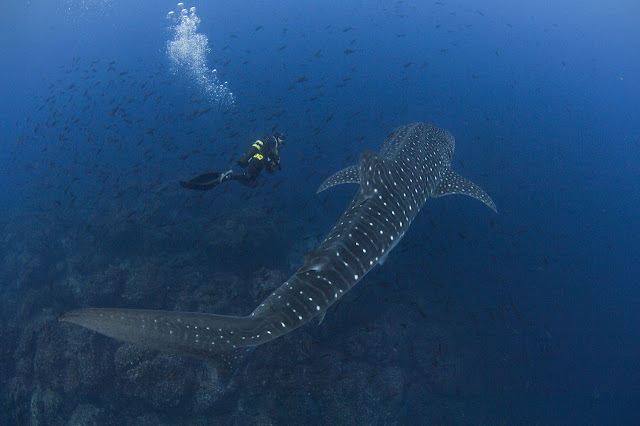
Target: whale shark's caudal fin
209, 337
453, 183
349, 175
182, 333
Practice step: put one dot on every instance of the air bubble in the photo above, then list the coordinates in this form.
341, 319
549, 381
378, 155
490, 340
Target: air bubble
187, 50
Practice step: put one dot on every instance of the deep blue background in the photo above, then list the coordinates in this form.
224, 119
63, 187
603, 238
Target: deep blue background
543, 101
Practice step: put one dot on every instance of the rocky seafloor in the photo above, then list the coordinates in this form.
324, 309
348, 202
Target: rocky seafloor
376, 358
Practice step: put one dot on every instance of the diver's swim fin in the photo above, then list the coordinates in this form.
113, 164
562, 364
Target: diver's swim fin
204, 182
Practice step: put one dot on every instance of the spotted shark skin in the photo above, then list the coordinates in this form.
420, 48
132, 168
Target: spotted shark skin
412, 166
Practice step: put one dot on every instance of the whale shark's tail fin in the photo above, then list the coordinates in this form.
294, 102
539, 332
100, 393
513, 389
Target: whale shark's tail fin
181, 333
219, 339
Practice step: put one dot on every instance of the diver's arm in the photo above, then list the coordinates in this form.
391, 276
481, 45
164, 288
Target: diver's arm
273, 163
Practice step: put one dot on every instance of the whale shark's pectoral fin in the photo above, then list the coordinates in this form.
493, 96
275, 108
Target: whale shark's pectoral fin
349, 175
453, 183
228, 363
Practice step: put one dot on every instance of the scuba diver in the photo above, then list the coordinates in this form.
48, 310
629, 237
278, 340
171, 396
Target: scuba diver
264, 153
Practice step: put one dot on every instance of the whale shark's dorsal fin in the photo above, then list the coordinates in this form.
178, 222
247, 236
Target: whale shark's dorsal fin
371, 166
349, 175
453, 183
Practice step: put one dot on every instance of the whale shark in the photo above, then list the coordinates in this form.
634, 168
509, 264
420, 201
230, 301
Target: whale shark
413, 165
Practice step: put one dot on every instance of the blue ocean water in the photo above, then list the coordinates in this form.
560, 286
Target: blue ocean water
527, 316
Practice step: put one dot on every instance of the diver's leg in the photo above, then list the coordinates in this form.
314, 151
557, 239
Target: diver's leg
242, 178
250, 174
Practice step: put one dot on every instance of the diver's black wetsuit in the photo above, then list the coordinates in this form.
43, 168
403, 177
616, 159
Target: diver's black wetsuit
262, 154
